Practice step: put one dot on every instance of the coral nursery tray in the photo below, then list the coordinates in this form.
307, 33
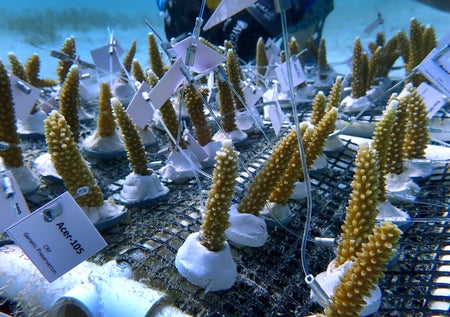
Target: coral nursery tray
270, 279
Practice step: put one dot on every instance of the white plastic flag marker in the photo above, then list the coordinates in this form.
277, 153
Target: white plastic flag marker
139, 109
167, 85
57, 237
225, 10
205, 58
433, 98
252, 94
13, 206
107, 58
298, 74
24, 96
436, 68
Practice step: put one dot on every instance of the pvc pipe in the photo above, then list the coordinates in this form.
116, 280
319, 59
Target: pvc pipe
87, 290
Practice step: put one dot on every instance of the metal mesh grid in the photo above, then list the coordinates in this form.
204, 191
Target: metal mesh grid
270, 281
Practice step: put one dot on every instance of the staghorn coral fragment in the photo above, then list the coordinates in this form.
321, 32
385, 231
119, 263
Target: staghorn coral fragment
194, 105
429, 41
169, 117
137, 71
293, 47
334, 98
358, 74
133, 143
418, 50
226, 106
403, 47
68, 48
313, 142
318, 107
128, 59
233, 72
69, 100
68, 162
285, 186
322, 62
374, 63
381, 143
32, 69
17, 68
417, 136
12, 155
364, 274
261, 59
106, 125
154, 54
362, 206
395, 152
269, 175
215, 221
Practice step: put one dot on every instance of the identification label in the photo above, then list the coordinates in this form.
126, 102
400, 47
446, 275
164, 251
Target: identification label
13, 206
24, 95
139, 109
298, 74
432, 97
57, 237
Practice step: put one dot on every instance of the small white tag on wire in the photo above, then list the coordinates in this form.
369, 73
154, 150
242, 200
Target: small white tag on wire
432, 97
13, 206
107, 58
24, 95
167, 85
57, 237
298, 74
205, 57
436, 68
376, 23
272, 51
139, 109
194, 146
276, 116
252, 94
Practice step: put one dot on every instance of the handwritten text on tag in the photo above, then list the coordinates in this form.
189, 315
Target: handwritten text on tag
298, 75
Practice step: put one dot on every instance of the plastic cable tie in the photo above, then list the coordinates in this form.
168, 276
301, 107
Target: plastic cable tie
81, 191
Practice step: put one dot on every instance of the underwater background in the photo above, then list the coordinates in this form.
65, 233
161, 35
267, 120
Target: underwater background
28, 27
270, 280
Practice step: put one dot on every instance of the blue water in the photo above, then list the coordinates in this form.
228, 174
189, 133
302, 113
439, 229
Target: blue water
28, 27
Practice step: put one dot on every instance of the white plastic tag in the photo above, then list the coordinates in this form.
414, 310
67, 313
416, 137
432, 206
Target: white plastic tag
272, 51
107, 58
57, 237
13, 206
24, 96
436, 68
225, 10
432, 97
204, 57
195, 147
276, 116
376, 23
252, 94
298, 75
139, 108
167, 85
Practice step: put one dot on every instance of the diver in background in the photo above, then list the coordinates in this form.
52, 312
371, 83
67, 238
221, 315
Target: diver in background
305, 19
